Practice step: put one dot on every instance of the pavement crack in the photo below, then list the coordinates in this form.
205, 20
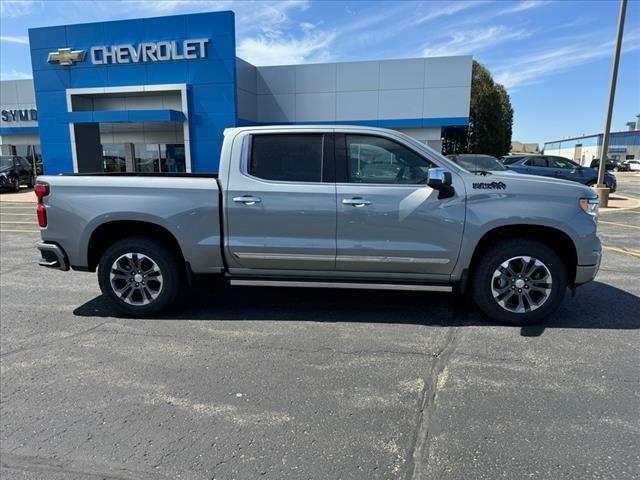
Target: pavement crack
419, 453
46, 344
352, 352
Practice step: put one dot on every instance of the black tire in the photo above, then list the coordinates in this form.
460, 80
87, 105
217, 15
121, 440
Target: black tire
483, 282
168, 263
15, 184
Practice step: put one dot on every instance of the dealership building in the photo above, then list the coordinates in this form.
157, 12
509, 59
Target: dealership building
156, 94
622, 146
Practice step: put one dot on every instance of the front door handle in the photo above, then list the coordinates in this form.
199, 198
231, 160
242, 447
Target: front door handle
247, 199
356, 201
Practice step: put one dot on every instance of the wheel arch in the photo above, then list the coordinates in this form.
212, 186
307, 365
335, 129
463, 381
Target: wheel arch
106, 234
557, 240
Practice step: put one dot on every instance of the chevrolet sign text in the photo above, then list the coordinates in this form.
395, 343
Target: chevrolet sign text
150, 52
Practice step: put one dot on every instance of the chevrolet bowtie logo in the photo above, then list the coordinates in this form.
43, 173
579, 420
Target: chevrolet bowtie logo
66, 56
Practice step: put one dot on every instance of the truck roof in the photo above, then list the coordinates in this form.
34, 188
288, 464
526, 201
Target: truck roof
318, 126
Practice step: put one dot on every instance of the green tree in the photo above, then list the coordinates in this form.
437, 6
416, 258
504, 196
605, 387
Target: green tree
490, 119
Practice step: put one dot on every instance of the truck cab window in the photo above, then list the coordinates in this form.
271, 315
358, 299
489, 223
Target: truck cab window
379, 160
288, 158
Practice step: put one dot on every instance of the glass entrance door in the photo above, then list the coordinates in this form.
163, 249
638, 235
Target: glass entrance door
144, 157
153, 157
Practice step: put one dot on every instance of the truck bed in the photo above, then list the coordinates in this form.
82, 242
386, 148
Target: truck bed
185, 205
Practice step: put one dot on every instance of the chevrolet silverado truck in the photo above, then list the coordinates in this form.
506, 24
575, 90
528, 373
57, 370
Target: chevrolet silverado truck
325, 206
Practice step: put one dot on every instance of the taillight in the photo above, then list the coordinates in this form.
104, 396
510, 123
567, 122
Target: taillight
42, 190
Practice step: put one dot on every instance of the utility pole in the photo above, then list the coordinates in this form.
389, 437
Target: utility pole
601, 188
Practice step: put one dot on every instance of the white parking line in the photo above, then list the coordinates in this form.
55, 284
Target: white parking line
620, 224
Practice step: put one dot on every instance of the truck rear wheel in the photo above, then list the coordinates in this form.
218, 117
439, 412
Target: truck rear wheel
140, 275
519, 282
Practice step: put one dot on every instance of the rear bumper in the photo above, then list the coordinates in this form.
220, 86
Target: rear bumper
52, 256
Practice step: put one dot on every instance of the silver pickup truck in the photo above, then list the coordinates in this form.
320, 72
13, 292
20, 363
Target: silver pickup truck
326, 206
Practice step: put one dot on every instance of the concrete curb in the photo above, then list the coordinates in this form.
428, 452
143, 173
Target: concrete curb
620, 203
26, 196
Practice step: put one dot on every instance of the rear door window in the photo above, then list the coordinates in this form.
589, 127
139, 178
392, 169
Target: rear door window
536, 162
510, 160
559, 162
287, 157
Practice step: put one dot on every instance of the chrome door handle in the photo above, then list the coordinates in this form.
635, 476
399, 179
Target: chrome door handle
356, 201
247, 199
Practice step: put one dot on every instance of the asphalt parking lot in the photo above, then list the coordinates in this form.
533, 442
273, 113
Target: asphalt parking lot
292, 383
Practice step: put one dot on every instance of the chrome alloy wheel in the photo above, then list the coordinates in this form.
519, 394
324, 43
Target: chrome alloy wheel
136, 279
521, 284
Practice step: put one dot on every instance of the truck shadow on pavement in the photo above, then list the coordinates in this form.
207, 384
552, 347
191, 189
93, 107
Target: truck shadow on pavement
596, 306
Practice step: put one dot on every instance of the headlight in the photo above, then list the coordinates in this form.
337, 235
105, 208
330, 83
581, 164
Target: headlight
590, 205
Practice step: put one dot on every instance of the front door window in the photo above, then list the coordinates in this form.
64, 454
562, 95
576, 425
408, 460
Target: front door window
377, 160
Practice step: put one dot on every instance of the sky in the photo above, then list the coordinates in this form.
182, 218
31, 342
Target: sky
554, 57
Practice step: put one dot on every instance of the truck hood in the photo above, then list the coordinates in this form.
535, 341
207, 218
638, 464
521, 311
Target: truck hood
519, 183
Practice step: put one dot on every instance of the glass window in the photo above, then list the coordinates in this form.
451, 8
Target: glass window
25, 163
146, 157
511, 159
474, 163
114, 157
6, 162
172, 158
536, 162
22, 150
287, 157
379, 160
559, 162
37, 156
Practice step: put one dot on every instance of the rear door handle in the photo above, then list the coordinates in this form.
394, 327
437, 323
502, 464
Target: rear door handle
247, 199
356, 201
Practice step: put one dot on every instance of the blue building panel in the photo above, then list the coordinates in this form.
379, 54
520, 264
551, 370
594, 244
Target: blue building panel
203, 76
206, 155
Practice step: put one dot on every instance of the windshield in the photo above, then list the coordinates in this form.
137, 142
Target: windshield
6, 162
479, 162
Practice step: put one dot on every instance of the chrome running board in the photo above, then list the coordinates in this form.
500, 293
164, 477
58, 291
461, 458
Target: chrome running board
354, 285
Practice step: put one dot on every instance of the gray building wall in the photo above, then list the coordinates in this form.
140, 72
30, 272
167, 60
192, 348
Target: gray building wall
17, 95
408, 89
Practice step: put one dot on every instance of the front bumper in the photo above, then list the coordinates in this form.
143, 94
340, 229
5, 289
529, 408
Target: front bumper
586, 273
52, 256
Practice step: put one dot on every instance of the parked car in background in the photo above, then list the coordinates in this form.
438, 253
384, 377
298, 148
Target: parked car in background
477, 163
558, 167
615, 165
633, 165
15, 171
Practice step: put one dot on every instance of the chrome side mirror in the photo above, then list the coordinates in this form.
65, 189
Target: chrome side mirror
440, 179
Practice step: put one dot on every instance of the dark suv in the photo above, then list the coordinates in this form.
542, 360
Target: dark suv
15, 171
615, 165
557, 167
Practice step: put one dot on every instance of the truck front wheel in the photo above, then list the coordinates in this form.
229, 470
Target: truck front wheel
140, 275
519, 282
